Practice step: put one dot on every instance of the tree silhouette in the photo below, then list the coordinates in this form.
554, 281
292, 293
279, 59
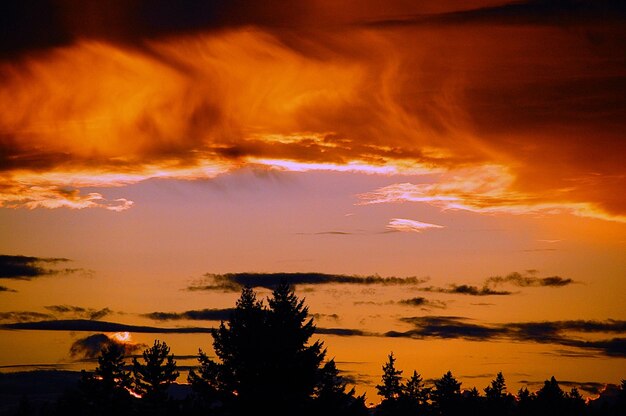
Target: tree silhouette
550, 398
155, 374
447, 395
498, 402
391, 383
525, 401
414, 396
331, 397
265, 359
106, 390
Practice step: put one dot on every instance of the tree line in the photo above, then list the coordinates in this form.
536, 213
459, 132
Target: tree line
266, 364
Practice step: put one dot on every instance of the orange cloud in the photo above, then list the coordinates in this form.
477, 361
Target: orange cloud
499, 110
404, 225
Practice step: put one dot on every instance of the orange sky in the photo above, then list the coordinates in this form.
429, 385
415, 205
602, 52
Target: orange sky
454, 141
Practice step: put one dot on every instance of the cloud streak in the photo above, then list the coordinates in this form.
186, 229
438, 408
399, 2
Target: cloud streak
235, 281
80, 312
192, 315
411, 226
100, 326
423, 303
488, 288
529, 280
549, 332
28, 268
467, 290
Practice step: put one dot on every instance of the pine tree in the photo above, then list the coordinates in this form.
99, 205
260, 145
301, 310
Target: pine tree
391, 383
110, 370
415, 391
497, 389
550, 398
154, 376
447, 394
331, 397
293, 364
265, 358
106, 390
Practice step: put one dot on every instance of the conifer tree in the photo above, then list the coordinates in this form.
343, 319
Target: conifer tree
446, 395
415, 391
391, 383
156, 373
265, 358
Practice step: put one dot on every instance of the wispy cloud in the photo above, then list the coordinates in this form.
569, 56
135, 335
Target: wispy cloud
529, 280
467, 290
235, 281
27, 267
79, 312
193, 315
423, 303
23, 316
547, 332
488, 288
100, 326
345, 97
404, 225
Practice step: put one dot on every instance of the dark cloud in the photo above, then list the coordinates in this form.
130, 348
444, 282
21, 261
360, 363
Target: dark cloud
99, 326
529, 280
423, 302
549, 332
332, 316
235, 281
6, 289
530, 12
90, 346
23, 316
447, 327
80, 312
193, 315
515, 279
343, 332
467, 290
27, 268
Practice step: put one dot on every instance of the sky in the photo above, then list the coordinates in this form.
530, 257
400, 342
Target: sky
440, 179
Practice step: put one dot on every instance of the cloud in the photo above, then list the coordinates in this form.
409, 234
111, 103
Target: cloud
467, 290
27, 268
193, 315
90, 346
548, 332
529, 280
529, 12
23, 316
342, 332
80, 312
143, 90
423, 302
6, 289
488, 288
235, 281
99, 326
404, 225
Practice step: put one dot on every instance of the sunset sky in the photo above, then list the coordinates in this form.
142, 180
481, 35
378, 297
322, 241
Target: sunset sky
442, 179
